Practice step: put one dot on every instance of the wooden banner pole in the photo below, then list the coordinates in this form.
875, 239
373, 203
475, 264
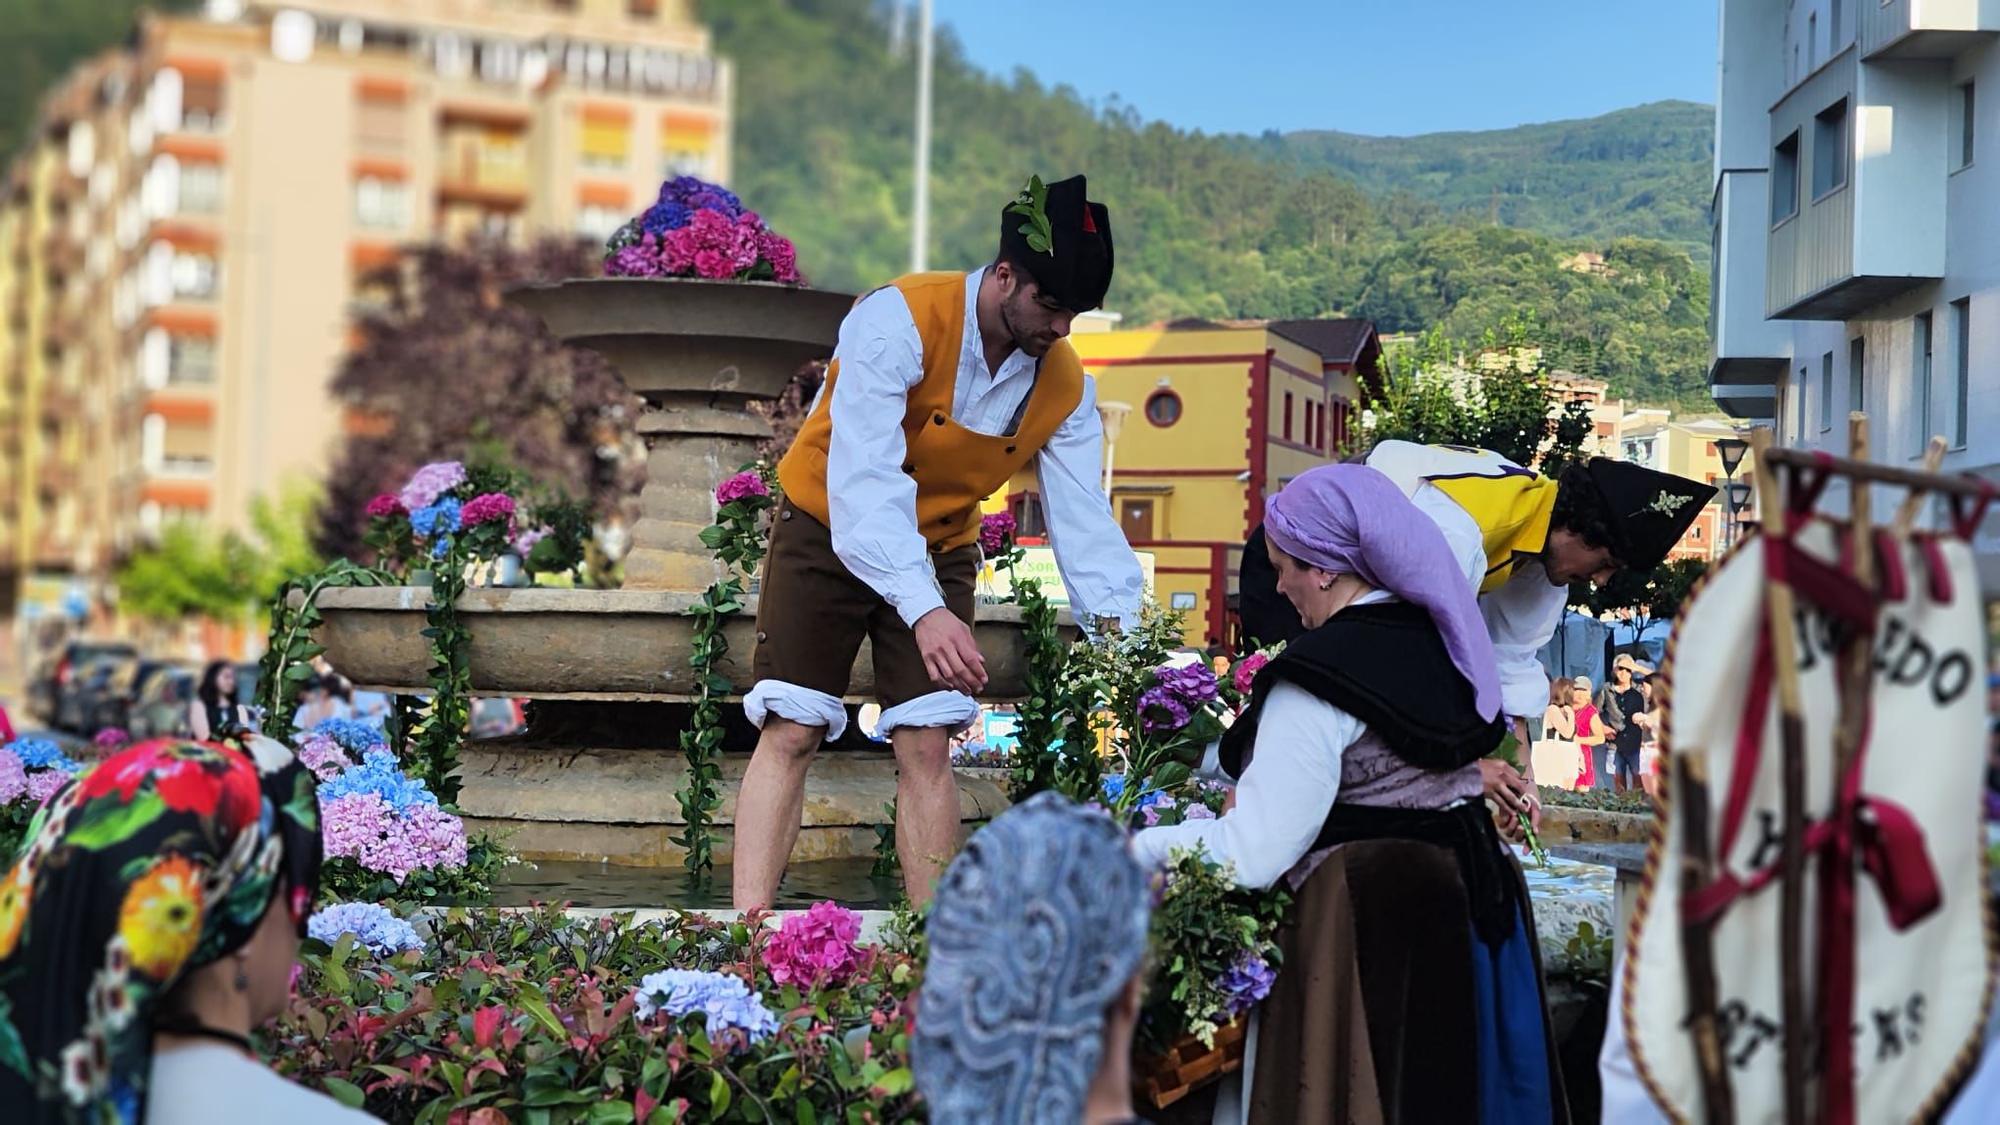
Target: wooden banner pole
1780, 621
1690, 799
1913, 504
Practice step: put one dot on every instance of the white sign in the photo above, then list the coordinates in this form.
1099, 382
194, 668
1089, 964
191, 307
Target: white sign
1039, 563
1921, 961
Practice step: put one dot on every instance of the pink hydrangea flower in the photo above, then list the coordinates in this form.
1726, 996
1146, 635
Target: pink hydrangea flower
783, 256
1246, 671
13, 777
43, 784
431, 482
525, 540
743, 484
323, 756
367, 829
490, 507
817, 948
384, 506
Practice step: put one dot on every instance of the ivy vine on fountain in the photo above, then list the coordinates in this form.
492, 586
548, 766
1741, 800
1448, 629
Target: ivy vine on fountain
738, 539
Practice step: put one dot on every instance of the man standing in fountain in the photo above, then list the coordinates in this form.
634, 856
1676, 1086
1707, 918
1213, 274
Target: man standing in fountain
942, 387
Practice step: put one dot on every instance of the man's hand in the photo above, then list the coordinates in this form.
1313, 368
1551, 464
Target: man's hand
950, 656
1512, 794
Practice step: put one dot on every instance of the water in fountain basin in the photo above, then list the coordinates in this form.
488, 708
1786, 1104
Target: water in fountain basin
603, 885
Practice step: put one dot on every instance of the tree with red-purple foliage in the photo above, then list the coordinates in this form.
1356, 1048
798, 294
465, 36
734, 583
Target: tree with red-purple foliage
446, 369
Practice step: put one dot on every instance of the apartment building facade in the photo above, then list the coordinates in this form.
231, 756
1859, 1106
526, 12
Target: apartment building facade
182, 241
1856, 226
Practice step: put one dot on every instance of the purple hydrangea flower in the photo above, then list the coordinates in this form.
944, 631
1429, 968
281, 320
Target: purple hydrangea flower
1161, 709
431, 482
1193, 683
13, 778
1246, 982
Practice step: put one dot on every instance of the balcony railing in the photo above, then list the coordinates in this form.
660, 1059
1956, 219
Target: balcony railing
1923, 29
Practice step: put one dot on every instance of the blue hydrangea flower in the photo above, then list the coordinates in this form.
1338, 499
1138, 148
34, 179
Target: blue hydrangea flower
439, 519
373, 926
1113, 786
41, 754
724, 1000
441, 548
664, 216
353, 735
379, 774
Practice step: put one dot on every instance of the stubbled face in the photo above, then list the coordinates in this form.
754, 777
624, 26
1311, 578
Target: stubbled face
1035, 321
1301, 586
1566, 558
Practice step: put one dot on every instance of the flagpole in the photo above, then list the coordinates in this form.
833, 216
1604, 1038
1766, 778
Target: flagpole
920, 223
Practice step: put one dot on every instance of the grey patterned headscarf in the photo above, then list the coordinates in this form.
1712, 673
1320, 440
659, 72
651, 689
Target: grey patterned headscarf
1038, 925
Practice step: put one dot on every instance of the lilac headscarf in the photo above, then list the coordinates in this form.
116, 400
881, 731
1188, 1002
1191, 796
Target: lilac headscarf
1351, 519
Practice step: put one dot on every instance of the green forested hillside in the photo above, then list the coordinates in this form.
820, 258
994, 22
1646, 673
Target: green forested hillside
1206, 226
1308, 224
1640, 172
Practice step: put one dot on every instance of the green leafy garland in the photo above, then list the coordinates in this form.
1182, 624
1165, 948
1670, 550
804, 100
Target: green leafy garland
1042, 712
435, 739
287, 660
737, 538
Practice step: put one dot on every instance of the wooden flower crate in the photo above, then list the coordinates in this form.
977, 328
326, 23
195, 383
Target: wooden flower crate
1187, 1065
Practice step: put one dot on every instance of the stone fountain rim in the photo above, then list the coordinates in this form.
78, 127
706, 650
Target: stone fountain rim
557, 600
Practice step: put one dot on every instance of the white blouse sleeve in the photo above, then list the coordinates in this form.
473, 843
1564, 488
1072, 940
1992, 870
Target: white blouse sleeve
1283, 798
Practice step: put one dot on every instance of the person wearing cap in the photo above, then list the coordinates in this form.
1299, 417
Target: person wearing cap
941, 388
1528, 538
1622, 705
1408, 985
1036, 947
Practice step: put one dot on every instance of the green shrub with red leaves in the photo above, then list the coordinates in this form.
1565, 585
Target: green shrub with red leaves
536, 1017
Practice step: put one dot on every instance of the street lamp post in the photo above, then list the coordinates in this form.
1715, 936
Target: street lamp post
1731, 450
920, 219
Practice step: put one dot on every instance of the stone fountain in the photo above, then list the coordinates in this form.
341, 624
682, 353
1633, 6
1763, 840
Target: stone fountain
600, 785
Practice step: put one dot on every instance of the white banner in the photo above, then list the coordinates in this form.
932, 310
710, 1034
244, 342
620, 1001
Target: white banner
1920, 993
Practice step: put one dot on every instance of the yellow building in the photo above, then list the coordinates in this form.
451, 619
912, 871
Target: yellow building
1218, 416
1687, 449
181, 238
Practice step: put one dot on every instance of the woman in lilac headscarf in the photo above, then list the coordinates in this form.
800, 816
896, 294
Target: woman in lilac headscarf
1409, 988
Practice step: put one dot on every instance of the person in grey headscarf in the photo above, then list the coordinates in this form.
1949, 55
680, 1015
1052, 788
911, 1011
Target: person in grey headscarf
1032, 988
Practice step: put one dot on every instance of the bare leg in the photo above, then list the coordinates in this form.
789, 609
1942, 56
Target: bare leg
768, 808
926, 807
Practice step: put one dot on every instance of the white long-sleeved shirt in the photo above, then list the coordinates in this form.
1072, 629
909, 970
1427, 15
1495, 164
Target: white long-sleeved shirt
873, 502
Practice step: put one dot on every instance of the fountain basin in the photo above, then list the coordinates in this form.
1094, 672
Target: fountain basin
619, 807
592, 645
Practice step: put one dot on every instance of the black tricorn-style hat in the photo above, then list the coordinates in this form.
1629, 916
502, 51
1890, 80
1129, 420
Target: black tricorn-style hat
1648, 511
1073, 266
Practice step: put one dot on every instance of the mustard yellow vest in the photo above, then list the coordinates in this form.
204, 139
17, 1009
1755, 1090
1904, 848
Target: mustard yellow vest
1511, 505
954, 467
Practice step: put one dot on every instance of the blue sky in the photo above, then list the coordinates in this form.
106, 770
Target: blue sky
1389, 67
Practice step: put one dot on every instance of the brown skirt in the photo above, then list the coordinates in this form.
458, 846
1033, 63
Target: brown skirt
1372, 1018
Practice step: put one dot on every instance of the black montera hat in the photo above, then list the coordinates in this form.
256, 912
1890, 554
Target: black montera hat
1070, 256
1647, 511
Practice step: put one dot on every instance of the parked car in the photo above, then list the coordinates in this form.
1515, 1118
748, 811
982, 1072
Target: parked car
113, 707
46, 691
87, 691
161, 709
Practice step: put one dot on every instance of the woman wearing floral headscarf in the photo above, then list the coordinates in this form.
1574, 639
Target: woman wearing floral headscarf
147, 926
1407, 985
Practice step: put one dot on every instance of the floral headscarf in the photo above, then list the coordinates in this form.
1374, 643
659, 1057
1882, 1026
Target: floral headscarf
162, 859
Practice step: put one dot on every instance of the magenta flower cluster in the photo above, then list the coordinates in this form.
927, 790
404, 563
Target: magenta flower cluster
367, 829
743, 485
1245, 672
385, 506
697, 229
817, 948
996, 533
491, 507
